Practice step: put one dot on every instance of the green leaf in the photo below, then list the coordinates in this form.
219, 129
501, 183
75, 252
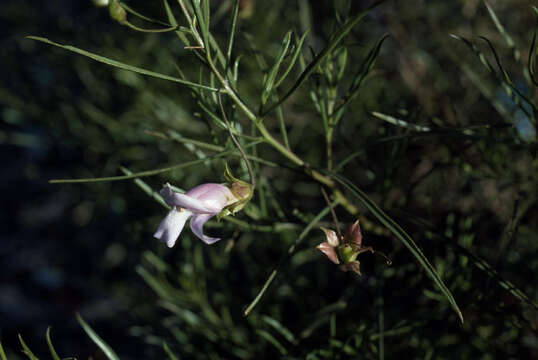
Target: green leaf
335, 40
26, 350
272, 340
231, 35
151, 172
288, 254
146, 188
532, 52
121, 65
169, 352
503, 32
284, 331
504, 79
173, 22
201, 18
2, 353
107, 350
51, 347
161, 288
402, 236
399, 122
364, 70
270, 80
137, 14
298, 49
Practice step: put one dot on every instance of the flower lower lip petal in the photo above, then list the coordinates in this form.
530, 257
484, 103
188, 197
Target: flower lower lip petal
197, 227
171, 226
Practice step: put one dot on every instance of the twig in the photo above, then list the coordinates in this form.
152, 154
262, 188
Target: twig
335, 219
243, 155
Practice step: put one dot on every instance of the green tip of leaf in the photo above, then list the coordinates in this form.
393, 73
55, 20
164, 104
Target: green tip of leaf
107, 350
52, 351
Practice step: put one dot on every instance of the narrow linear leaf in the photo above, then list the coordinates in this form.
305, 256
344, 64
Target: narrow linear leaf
497, 60
270, 80
172, 19
146, 188
504, 79
298, 49
336, 39
284, 331
288, 254
479, 262
532, 53
2, 353
169, 352
165, 292
364, 70
402, 236
322, 316
398, 122
200, 17
477, 52
143, 17
508, 81
107, 350
52, 351
121, 65
503, 32
26, 350
231, 35
484, 266
206, 13
272, 340
150, 172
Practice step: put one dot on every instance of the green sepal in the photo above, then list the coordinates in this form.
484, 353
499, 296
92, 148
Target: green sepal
240, 189
117, 12
347, 254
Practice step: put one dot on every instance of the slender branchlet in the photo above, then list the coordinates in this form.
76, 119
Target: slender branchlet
237, 144
333, 213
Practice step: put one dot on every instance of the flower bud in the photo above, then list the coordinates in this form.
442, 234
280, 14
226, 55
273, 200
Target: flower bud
100, 3
353, 235
117, 12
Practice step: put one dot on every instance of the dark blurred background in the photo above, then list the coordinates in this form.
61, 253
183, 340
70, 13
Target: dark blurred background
74, 248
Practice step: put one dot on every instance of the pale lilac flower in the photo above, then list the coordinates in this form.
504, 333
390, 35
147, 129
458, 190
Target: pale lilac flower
202, 203
343, 250
328, 247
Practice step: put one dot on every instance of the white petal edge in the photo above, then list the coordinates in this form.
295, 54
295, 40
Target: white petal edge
176, 199
170, 228
197, 227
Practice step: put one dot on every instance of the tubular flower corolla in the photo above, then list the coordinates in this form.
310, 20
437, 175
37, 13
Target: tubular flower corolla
202, 203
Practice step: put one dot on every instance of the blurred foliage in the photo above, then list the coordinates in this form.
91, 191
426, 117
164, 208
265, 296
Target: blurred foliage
440, 132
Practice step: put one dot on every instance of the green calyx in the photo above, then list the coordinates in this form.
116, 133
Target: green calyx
117, 12
240, 189
347, 254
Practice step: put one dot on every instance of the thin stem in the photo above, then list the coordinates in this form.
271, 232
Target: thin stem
316, 175
282, 125
148, 172
249, 167
191, 24
134, 27
329, 150
235, 13
288, 254
333, 214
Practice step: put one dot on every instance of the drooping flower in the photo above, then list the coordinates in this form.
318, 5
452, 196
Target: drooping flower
343, 250
201, 202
